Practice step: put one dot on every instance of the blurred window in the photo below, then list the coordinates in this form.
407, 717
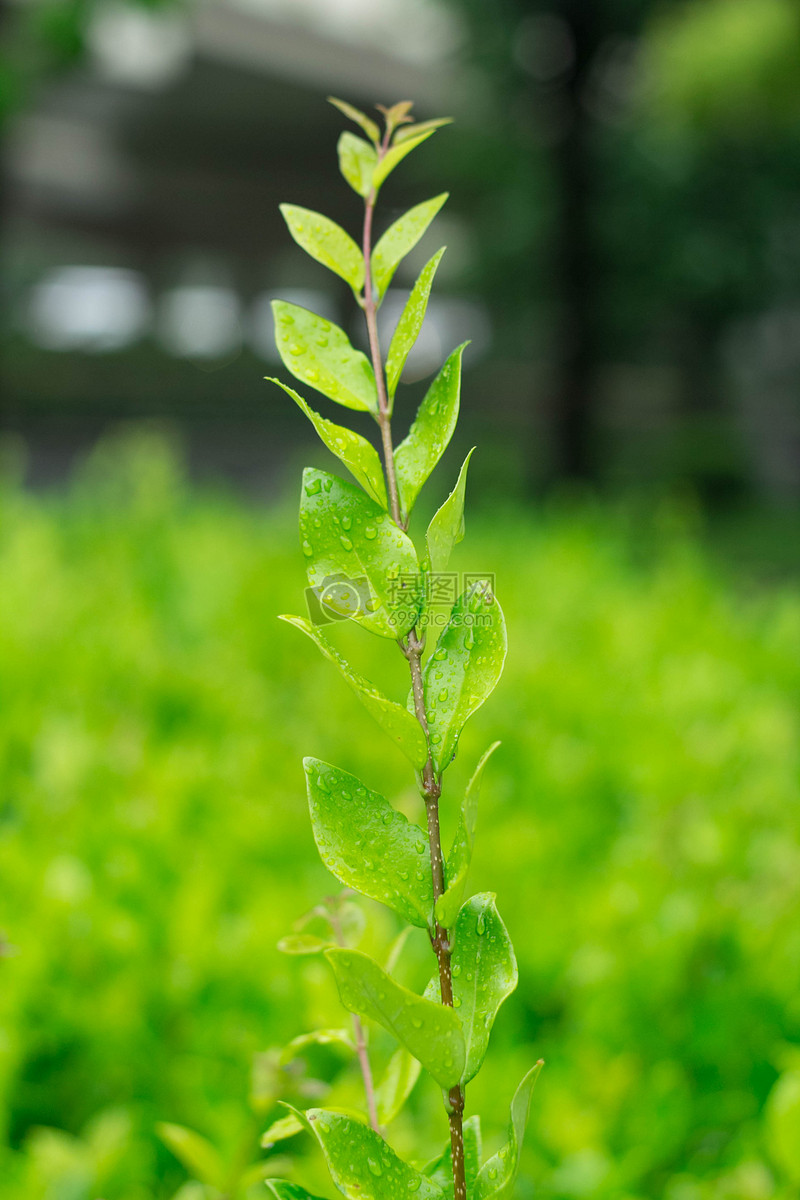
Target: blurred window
96, 309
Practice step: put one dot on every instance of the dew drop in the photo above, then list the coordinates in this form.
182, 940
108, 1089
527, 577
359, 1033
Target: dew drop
313, 487
348, 545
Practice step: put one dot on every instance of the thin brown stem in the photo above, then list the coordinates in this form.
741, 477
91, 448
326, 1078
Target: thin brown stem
412, 647
371, 314
431, 790
360, 1039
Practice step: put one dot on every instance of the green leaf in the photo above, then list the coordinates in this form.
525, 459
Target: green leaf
413, 131
357, 162
369, 126
464, 668
362, 566
196, 1153
400, 238
410, 323
782, 1115
367, 844
361, 1164
396, 114
357, 454
428, 437
395, 155
302, 943
460, 855
400, 725
496, 1177
319, 353
396, 1085
446, 529
282, 1190
317, 1037
280, 1130
440, 1169
352, 923
429, 1031
484, 974
327, 242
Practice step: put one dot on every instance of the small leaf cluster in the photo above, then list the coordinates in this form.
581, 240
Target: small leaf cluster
360, 556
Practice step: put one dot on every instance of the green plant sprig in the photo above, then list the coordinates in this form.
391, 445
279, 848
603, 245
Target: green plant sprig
362, 565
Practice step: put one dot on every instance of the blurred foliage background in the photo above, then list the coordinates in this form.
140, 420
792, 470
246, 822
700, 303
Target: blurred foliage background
639, 823
622, 249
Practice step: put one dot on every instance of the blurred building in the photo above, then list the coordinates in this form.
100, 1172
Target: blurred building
142, 235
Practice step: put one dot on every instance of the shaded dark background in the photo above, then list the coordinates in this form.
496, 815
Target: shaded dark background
623, 228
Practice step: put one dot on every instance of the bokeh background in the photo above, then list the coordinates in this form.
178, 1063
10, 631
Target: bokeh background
624, 252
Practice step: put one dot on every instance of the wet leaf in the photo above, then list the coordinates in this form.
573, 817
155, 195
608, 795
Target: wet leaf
367, 844
397, 722
319, 353
428, 437
460, 855
396, 1085
484, 974
361, 1164
446, 529
429, 1031
410, 323
395, 155
198, 1156
496, 1177
360, 564
357, 454
464, 669
400, 238
280, 1189
357, 162
367, 124
327, 242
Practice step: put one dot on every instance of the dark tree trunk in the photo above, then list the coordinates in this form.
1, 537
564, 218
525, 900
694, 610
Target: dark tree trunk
574, 263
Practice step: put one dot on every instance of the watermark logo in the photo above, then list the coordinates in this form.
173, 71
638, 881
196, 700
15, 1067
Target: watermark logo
339, 598
344, 597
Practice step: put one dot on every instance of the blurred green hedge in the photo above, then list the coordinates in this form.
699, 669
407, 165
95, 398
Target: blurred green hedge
640, 825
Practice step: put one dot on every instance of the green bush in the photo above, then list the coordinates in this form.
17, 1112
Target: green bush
644, 806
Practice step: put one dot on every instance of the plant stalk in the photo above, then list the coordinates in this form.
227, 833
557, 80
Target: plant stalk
360, 1039
412, 647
